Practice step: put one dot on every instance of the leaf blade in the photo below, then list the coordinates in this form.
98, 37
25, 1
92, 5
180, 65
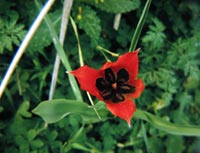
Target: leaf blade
53, 111
62, 55
139, 27
167, 126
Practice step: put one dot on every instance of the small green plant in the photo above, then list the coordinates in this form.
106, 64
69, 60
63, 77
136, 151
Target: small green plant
11, 33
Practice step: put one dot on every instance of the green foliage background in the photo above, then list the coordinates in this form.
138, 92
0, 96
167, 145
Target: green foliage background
169, 66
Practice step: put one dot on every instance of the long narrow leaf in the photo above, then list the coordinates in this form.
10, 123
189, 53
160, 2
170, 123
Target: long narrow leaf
144, 133
77, 38
67, 6
81, 60
167, 126
139, 27
62, 55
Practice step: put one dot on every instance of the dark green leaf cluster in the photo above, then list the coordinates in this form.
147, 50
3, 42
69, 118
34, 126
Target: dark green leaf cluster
114, 6
90, 23
11, 32
155, 37
42, 38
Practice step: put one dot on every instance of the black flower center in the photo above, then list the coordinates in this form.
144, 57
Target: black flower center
114, 87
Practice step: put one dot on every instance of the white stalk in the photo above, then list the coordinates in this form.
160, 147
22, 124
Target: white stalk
117, 21
65, 18
24, 45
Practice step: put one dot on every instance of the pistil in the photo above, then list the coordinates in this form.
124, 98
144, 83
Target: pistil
114, 86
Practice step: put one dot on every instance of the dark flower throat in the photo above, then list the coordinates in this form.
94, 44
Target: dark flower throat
114, 87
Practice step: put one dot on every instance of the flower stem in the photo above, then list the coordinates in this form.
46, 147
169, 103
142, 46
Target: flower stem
82, 62
77, 38
92, 103
106, 57
107, 51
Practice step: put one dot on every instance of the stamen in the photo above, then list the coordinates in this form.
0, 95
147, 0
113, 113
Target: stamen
101, 84
122, 75
110, 76
117, 97
114, 88
106, 94
126, 88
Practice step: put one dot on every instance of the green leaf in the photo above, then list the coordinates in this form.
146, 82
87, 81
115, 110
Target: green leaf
80, 147
61, 54
117, 6
90, 23
167, 126
22, 143
155, 145
54, 110
140, 25
1, 109
37, 143
108, 143
23, 109
178, 148
78, 41
31, 134
184, 99
144, 133
42, 37
155, 38
53, 135
11, 33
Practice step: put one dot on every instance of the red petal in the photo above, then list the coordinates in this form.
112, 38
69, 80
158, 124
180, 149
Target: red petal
86, 77
139, 87
123, 110
128, 61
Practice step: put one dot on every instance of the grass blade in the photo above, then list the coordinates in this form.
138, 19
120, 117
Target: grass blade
82, 62
144, 133
77, 38
139, 27
65, 18
62, 55
167, 126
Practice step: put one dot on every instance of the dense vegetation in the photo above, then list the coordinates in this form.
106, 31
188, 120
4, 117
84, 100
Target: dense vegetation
169, 67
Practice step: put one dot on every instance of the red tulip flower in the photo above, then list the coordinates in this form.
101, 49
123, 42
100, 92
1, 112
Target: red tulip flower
115, 83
